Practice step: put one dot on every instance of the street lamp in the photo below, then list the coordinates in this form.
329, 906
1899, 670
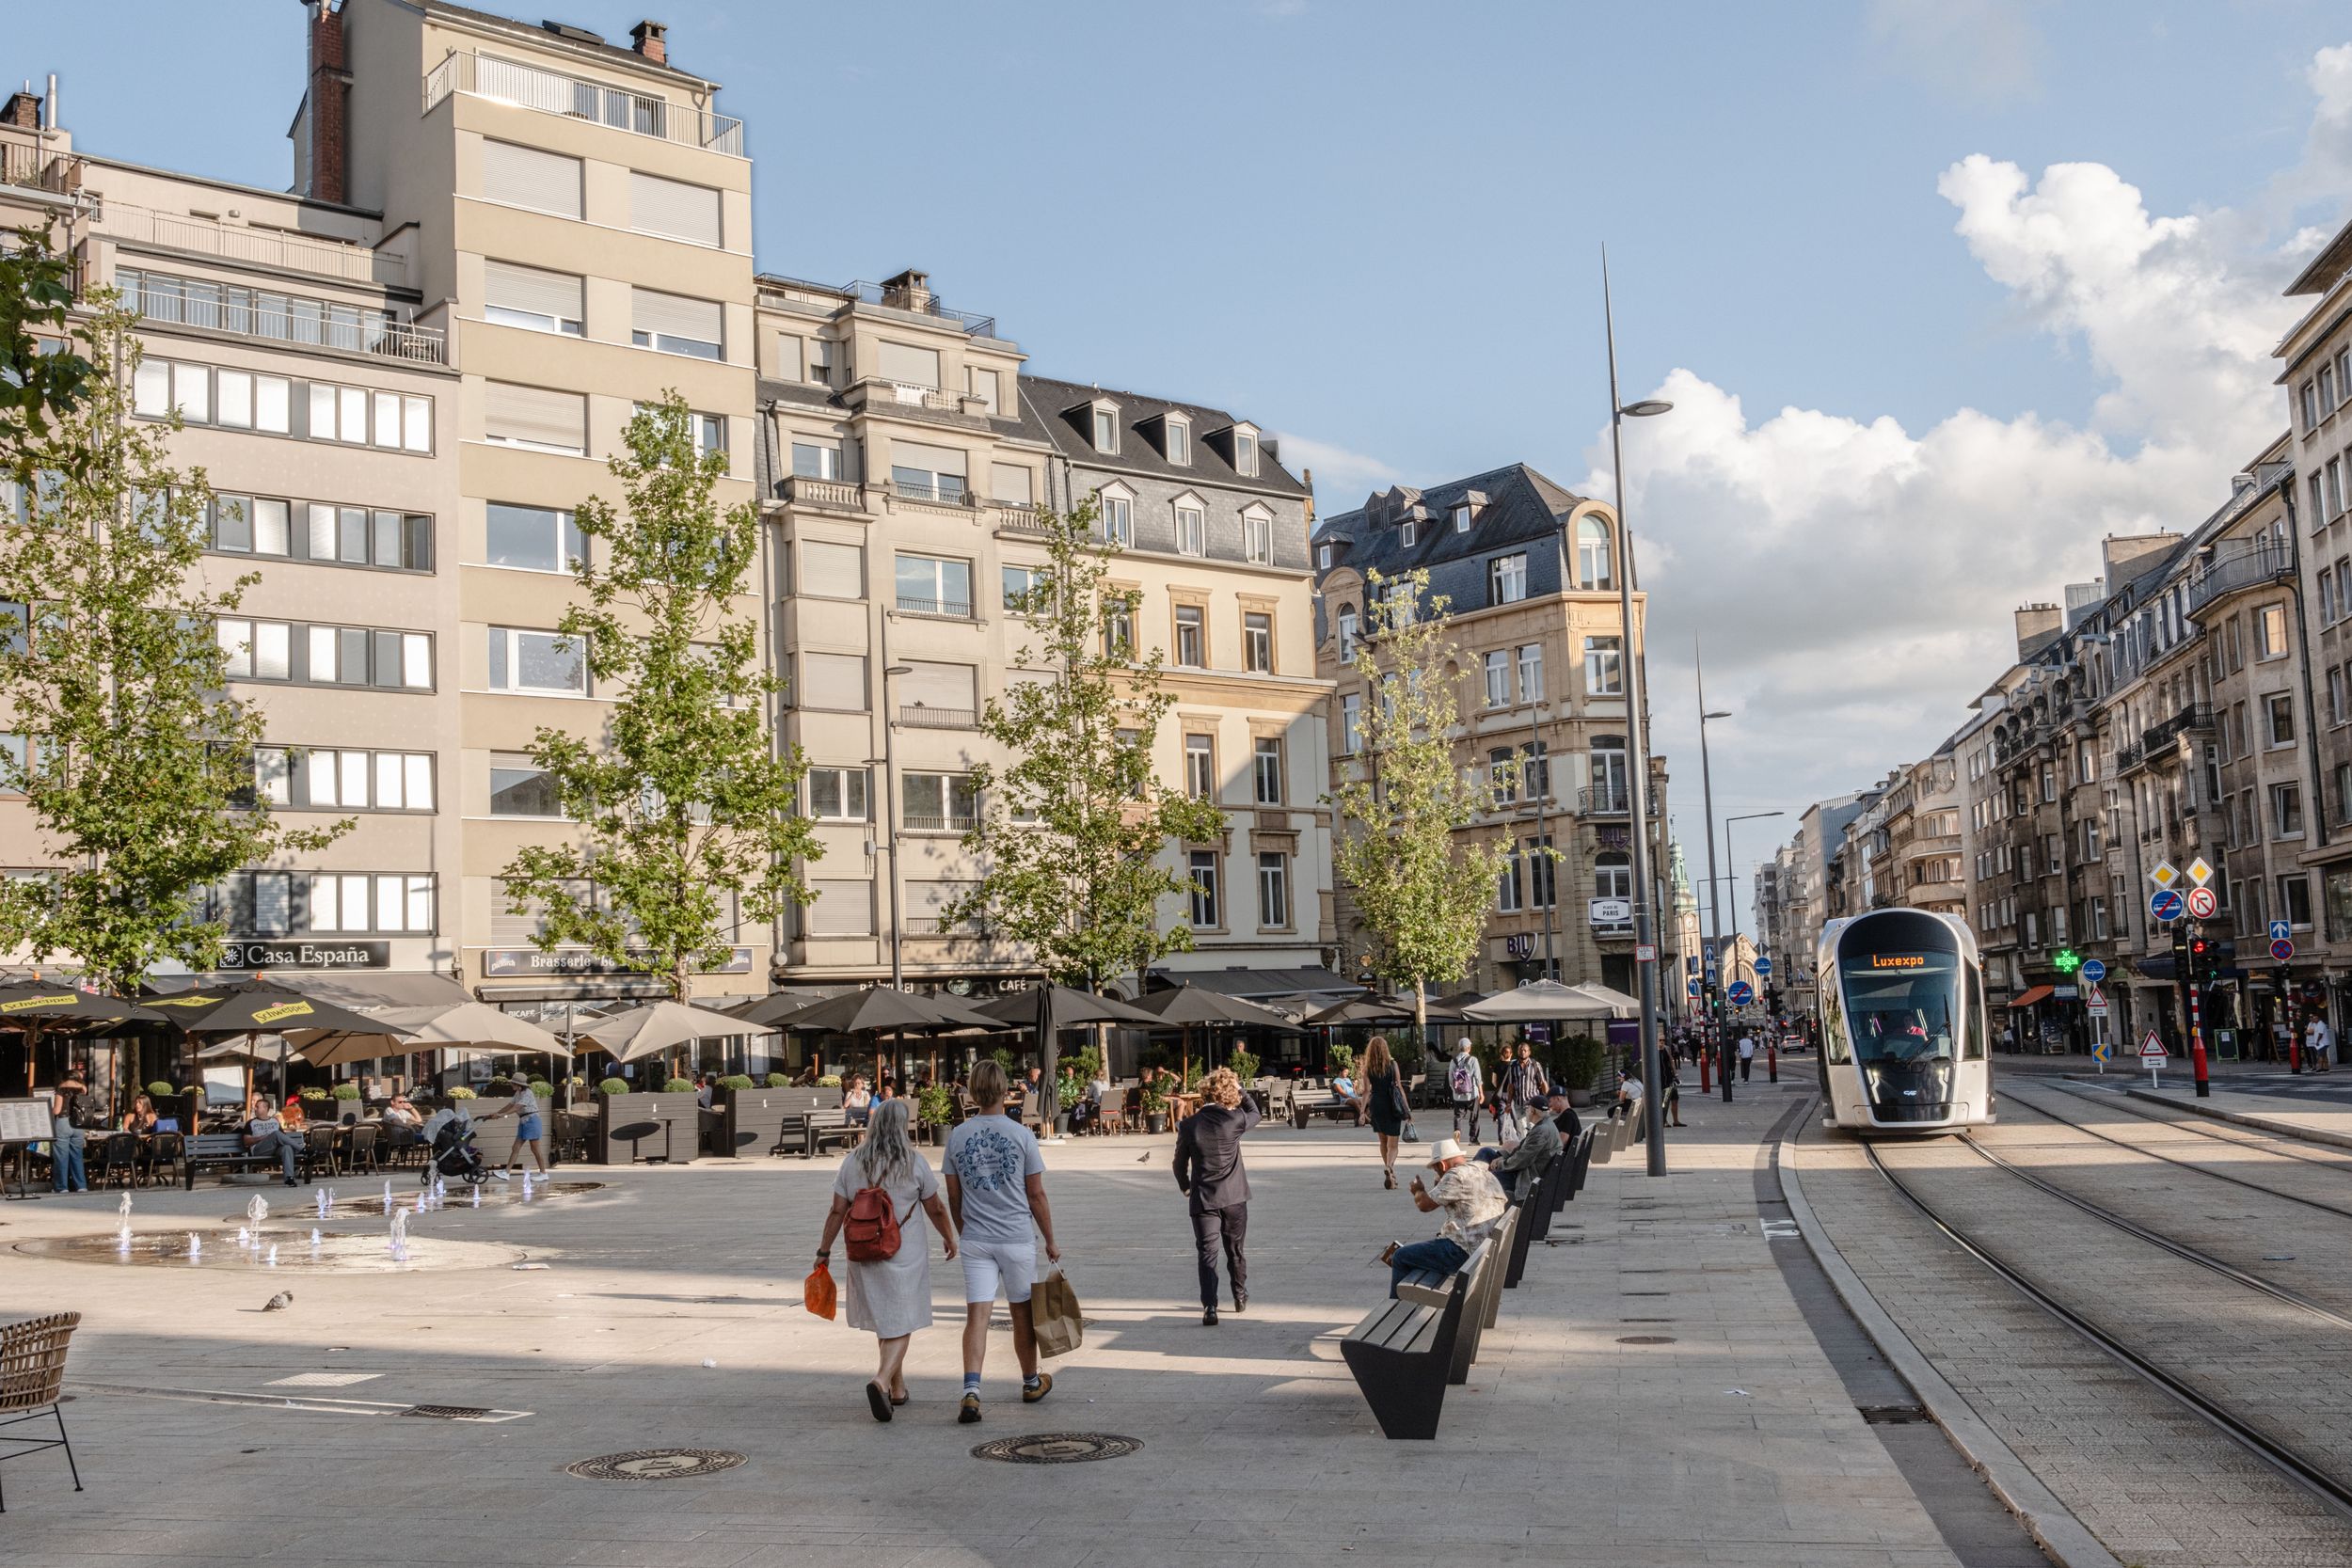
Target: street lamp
1714, 887
1636, 699
890, 816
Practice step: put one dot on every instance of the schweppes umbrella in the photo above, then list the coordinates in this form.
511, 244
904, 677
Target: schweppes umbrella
246, 1008
48, 1001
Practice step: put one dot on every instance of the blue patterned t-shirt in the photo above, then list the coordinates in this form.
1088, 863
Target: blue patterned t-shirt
992, 1157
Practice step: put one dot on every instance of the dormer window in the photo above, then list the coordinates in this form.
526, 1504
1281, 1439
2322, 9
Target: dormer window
1324, 558
1408, 533
1106, 430
1179, 440
1461, 517
1245, 451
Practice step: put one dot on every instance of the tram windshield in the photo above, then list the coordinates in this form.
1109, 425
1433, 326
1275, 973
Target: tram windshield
1910, 1009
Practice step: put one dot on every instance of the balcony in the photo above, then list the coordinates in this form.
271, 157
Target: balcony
1019, 518
2195, 716
910, 295
876, 395
941, 490
29, 165
833, 495
920, 823
921, 715
1604, 800
2243, 568
280, 318
261, 247
2129, 758
551, 92
948, 610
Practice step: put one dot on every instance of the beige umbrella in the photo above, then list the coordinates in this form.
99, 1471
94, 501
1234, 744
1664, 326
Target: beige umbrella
660, 1027
467, 1029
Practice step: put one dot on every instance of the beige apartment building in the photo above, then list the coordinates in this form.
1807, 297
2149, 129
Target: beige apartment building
1526, 570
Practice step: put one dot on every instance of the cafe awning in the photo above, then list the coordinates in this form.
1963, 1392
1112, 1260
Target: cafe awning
2028, 998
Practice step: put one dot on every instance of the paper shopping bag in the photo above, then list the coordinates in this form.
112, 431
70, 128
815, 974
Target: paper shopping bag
1054, 1316
818, 1294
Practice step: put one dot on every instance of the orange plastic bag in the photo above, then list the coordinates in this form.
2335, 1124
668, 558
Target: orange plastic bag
819, 1294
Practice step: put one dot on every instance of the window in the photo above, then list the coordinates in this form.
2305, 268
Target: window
519, 787
934, 585
542, 663
830, 571
349, 780
673, 208
1246, 453
1010, 483
940, 802
532, 538
1257, 537
1612, 877
1534, 769
2295, 899
1192, 531
1178, 431
1541, 881
2099, 931
817, 459
843, 908
273, 770
269, 404
1202, 864
529, 297
301, 903
1323, 558
820, 354
1351, 723
2326, 389
2343, 791
922, 472
1200, 766
1604, 667
1609, 776
1347, 635
1593, 555
1274, 891
1502, 775
326, 655
1020, 582
981, 384
1257, 641
526, 177
1106, 430
1498, 662
534, 418
674, 324
1531, 672
835, 681
2286, 810
908, 365
2335, 485
1507, 891
1406, 534
1192, 635
2281, 709
1118, 520
1462, 517
1267, 771
1119, 626
838, 794
939, 696
1506, 579
2270, 631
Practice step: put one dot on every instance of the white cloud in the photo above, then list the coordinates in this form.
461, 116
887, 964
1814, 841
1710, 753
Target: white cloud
1854, 581
1342, 477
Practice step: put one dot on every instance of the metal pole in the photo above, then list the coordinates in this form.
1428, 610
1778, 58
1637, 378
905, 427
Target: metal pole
1636, 698
2197, 1013
890, 829
1713, 990
1552, 867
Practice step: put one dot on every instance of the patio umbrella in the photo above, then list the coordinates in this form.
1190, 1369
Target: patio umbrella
1623, 1006
253, 1008
27, 1001
1372, 1008
1188, 1005
877, 1008
660, 1027
1543, 1000
1048, 1009
775, 1009
469, 1029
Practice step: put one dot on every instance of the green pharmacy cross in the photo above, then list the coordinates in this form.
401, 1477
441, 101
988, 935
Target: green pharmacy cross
2067, 960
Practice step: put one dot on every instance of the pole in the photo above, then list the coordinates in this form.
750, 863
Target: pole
2197, 1017
1713, 991
1552, 867
1636, 700
890, 829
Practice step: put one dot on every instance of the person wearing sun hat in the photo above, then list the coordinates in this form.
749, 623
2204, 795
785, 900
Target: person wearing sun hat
1473, 1201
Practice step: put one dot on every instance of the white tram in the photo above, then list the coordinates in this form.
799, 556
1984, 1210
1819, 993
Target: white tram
1903, 1027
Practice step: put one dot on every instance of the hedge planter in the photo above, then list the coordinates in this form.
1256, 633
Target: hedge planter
748, 1122
654, 1127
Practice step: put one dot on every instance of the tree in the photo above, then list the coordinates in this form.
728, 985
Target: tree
43, 377
1422, 888
684, 803
1074, 826
140, 767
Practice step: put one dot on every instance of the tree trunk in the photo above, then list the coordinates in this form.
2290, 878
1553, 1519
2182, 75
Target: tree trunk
1421, 1018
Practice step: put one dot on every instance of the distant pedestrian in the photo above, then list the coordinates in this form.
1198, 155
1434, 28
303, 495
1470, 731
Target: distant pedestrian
1209, 1172
996, 1194
1473, 1201
1747, 1053
1670, 1088
2319, 1040
1465, 1077
1629, 1096
1381, 1099
889, 1289
530, 1127
67, 1173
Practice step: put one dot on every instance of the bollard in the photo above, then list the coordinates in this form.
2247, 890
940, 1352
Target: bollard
1706, 1075
1772, 1057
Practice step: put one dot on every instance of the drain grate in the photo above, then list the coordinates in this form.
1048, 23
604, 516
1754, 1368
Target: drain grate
655, 1464
1646, 1338
449, 1412
1892, 1414
1059, 1448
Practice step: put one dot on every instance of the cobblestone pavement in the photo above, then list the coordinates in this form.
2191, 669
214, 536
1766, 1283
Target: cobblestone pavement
2155, 1482
1732, 1443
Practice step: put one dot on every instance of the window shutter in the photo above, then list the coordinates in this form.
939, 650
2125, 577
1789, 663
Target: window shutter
537, 416
1009, 483
528, 177
917, 367
928, 901
677, 316
832, 571
943, 685
843, 908
836, 681
532, 289
672, 207
935, 460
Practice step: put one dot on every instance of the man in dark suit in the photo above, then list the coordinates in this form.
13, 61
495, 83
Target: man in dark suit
1209, 1171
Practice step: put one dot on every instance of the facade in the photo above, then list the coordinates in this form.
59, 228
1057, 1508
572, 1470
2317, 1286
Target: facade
1527, 572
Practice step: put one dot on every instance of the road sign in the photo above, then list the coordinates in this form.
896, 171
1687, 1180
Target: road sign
1741, 993
2283, 950
2094, 971
1694, 990
2165, 905
2282, 931
2098, 1003
2152, 1050
2101, 1052
2165, 875
1763, 965
2199, 872
2201, 903
1645, 954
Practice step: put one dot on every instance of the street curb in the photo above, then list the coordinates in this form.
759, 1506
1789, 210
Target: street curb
2052, 1525
2242, 1118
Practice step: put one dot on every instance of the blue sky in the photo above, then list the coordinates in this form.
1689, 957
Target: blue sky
1374, 228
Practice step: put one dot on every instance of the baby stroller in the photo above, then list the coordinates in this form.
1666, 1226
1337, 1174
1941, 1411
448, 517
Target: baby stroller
454, 1154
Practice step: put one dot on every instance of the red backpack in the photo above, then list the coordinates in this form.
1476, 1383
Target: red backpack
871, 1232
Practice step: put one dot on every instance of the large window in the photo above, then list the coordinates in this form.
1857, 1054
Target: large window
1200, 766
1604, 667
328, 534
838, 794
1610, 777
281, 405
1257, 641
674, 324
1192, 641
922, 472
816, 459
1267, 769
934, 585
532, 538
340, 903
537, 419
1497, 666
1202, 867
1274, 891
1506, 579
521, 788
1531, 660
532, 297
344, 780
539, 663
305, 654
940, 802
673, 208
1593, 555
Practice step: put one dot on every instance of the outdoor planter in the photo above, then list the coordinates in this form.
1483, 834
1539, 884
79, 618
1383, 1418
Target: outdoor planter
750, 1122
662, 1126
1155, 1121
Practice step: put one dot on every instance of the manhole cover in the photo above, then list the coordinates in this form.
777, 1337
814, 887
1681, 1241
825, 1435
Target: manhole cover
1058, 1448
1646, 1338
654, 1465
449, 1412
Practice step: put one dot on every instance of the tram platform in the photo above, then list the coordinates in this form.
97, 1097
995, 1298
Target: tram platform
2313, 1107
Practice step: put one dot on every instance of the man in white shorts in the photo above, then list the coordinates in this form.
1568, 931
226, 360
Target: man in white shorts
996, 1192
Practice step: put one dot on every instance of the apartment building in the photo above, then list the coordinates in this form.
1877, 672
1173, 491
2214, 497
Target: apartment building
1526, 570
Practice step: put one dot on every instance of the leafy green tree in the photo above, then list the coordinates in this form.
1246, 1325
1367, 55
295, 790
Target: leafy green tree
45, 373
140, 767
1074, 824
683, 804
1423, 888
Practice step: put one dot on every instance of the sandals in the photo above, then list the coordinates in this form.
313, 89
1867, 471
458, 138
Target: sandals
878, 1400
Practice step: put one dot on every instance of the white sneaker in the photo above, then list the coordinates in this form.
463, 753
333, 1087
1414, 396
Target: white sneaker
500, 1176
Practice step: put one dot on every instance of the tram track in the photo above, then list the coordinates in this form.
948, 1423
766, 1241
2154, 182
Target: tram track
2244, 1427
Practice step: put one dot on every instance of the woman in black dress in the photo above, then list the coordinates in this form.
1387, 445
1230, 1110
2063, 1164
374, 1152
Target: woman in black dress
1381, 1096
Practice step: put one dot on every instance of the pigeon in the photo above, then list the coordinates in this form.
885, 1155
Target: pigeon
278, 1303
1143, 1157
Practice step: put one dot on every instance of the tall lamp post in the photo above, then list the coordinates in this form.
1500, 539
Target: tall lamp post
1714, 991
890, 819
1731, 889
1636, 701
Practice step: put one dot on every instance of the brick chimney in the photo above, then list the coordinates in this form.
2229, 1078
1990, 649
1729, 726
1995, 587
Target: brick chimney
22, 110
329, 103
651, 39
2036, 625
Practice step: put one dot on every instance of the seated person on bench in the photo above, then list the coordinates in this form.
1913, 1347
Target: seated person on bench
1520, 1162
265, 1136
1472, 1202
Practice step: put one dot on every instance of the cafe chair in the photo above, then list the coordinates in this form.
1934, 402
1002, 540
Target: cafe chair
32, 1369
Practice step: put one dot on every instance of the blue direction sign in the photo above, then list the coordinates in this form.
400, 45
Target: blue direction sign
2283, 950
1694, 990
1763, 965
1741, 993
2094, 971
2282, 931
2164, 905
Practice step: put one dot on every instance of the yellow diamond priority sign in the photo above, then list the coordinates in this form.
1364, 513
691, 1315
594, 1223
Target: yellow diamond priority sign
2165, 875
2199, 872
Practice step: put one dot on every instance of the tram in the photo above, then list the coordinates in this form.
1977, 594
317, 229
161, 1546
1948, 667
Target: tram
1903, 1027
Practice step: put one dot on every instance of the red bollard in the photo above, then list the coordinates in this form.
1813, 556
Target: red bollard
1707, 1072
1772, 1056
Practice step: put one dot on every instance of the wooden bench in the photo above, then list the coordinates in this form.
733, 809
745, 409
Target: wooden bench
1403, 1351
810, 1132
1308, 1103
226, 1149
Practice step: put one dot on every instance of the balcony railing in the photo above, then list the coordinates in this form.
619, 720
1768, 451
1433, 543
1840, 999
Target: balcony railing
917, 822
954, 609
2245, 568
2195, 716
1019, 518
261, 247
935, 493
1604, 800
280, 318
803, 490
917, 299
552, 93
29, 165
921, 715
2130, 757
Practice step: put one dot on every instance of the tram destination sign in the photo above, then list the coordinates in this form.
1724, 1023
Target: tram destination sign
305, 955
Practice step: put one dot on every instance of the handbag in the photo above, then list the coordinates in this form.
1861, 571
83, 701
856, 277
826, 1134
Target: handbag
817, 1292
870, 1233
1054, 1319
1408, 1134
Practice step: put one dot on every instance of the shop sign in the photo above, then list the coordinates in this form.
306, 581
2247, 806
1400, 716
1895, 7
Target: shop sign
305, 955
505, 963
1519, 944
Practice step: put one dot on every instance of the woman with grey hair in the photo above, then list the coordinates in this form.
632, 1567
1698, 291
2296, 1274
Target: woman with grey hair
890, 1297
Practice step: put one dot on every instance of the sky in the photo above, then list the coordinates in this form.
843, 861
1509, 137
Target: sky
1943, 289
